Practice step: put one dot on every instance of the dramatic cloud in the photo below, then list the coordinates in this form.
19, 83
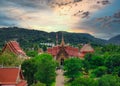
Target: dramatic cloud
57, 15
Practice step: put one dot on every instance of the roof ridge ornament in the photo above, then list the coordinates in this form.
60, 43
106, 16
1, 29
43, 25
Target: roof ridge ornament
62, 42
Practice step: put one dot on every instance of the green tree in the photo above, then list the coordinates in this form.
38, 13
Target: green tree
84, 82
9, 59
72, 67
38, 84
116, 71
44, 48
88, 57
32, 53
36, 47
29, 69
0, 50
94, 60
113, 63
46, 69
86, 66
38, 68
98, 72
111, 49
109, 80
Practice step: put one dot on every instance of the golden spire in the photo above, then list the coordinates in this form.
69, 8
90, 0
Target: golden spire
62, 42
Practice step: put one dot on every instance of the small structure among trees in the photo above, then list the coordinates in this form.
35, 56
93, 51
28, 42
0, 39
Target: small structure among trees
87, 48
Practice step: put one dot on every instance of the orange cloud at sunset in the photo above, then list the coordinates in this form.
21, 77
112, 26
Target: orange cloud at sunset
60, 15
80, 31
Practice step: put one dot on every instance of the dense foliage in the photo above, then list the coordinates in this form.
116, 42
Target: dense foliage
29, 69
84, 82
106, 80
9, 59
100, 71
109, 80
38, 68
31, 53
94, 60
101, 68
72, 67
38, 84
46, 69
113, 64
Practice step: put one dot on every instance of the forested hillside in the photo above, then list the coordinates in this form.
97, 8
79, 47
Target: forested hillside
115, 40
29, 38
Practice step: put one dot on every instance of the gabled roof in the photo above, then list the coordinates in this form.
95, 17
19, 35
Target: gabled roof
63, 52
87, 49
10, 76
14, 47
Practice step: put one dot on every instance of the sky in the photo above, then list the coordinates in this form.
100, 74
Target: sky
100, 18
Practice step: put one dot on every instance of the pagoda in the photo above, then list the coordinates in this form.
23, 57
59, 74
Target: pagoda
63, 51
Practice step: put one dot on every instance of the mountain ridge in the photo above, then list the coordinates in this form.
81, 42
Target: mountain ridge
115, 40
28, 38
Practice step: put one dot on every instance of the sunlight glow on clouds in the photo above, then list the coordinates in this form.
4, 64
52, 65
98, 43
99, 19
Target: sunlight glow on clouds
54, 15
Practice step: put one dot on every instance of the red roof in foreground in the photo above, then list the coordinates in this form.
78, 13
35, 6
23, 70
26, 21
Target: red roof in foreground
14, 47
12, 76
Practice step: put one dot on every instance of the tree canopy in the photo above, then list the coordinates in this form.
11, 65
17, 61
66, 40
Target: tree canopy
73, 67
113, 63
40, 68
109, 80
9, 59
46, 69
84, 82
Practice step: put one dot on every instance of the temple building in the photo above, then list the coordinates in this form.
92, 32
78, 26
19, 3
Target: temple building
86, 49
14, 47
63, 51
12, 77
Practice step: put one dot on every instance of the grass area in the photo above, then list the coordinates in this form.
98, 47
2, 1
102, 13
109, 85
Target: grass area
53, 84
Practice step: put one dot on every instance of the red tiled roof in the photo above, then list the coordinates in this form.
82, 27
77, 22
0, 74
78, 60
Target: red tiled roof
10, 75
49, 50
70, 50
53, 50
14, 47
